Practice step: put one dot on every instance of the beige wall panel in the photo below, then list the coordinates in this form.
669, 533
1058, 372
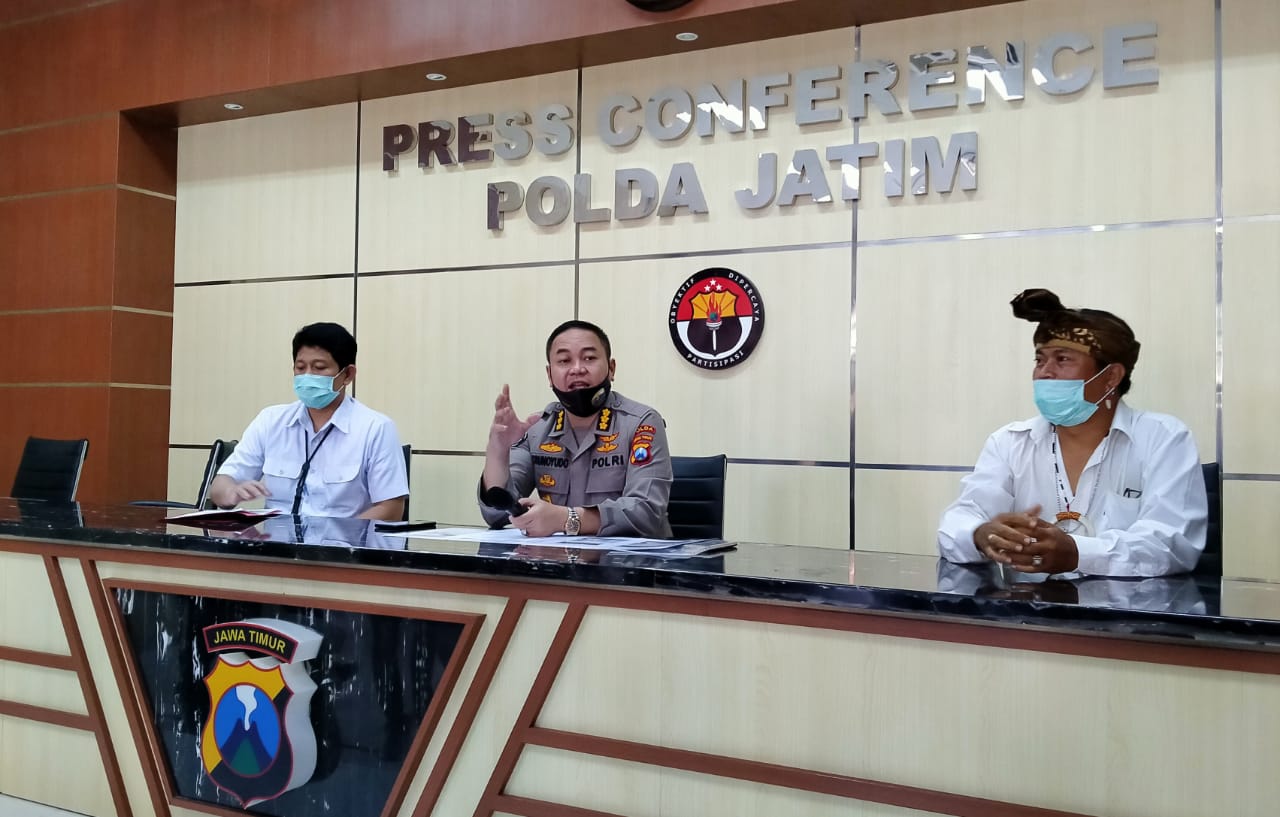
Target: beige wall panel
789, 400
1248, 599
942, 362
1250, 516
232, 352
898, 511
1095, 157
29, 617
638, 790
267, 196
414, 218
724, 162
444, 489
41, 686
1250, 107
186, 468
54, 765
730, 688
787, 504
1250, 338
446, 342
108, 690
763, 503
501, 705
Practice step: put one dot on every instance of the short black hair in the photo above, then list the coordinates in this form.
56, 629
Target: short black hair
584, 325
331, 337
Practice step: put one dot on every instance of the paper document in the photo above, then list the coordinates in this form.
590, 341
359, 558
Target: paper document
224, 520
513, 537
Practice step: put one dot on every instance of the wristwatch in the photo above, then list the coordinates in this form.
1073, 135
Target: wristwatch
573, 524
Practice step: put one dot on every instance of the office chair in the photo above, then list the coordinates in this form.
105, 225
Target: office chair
408, 472
696, 509
218, 454
1211, 559
50, 469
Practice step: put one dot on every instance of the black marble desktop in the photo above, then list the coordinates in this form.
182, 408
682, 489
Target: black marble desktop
1184, 608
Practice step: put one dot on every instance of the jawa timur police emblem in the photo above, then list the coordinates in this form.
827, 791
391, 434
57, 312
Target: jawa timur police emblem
258, 742
716, 318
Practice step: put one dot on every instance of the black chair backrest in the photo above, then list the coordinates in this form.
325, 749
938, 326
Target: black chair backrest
218, 454
696, 510
408, 458
1211, 559
50, 469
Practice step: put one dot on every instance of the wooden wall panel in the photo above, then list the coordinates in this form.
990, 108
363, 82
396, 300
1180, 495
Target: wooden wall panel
16, 11
137, 458
53, 250
144, 251
56, 347
55, 157
60, 413
147, 157
140, 348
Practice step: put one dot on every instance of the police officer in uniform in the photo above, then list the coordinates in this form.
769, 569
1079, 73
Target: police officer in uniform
598, 461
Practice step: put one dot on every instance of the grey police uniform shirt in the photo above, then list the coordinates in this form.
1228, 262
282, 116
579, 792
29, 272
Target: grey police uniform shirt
620, 466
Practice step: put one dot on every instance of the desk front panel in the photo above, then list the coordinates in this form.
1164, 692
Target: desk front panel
584, 700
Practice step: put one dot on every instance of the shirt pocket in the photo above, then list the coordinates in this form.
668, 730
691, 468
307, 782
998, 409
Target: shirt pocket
605, 483
1118, 512
336, 474
280, 475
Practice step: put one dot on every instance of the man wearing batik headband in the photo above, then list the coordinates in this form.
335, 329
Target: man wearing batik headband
1091, 485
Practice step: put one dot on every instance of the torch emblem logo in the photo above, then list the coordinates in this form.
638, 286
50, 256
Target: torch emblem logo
716, 318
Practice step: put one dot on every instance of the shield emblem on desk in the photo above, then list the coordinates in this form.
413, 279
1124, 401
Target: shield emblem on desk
258, 741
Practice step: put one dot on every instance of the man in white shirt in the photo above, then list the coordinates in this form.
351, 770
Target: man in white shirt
1091, 485
324, 454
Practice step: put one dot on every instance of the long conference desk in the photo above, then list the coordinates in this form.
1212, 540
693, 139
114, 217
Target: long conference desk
317, 667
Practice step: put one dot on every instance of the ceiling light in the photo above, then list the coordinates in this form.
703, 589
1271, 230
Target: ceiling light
233, 106
686, 36
434, 77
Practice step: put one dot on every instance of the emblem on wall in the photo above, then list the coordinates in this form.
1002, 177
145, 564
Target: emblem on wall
716, 318
258, 741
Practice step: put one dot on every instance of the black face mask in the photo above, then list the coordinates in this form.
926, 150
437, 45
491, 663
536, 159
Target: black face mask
585, 402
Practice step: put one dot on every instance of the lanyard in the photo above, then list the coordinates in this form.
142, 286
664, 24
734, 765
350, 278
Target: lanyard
306, 467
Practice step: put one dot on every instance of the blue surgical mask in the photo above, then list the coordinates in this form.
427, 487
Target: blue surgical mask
1062, 402
315, 390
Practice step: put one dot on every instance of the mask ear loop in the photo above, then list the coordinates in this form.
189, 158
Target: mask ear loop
1106, 397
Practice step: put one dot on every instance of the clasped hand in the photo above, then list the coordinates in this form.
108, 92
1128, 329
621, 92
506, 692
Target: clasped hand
1027, 543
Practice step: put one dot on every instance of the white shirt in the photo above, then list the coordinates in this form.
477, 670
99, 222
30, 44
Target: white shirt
356, 464
1142, 490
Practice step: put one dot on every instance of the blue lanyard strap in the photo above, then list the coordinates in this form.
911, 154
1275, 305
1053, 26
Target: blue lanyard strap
306, 467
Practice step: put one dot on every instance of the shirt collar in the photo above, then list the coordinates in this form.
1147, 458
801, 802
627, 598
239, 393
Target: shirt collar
1123, 419
340, 420
1040, 429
